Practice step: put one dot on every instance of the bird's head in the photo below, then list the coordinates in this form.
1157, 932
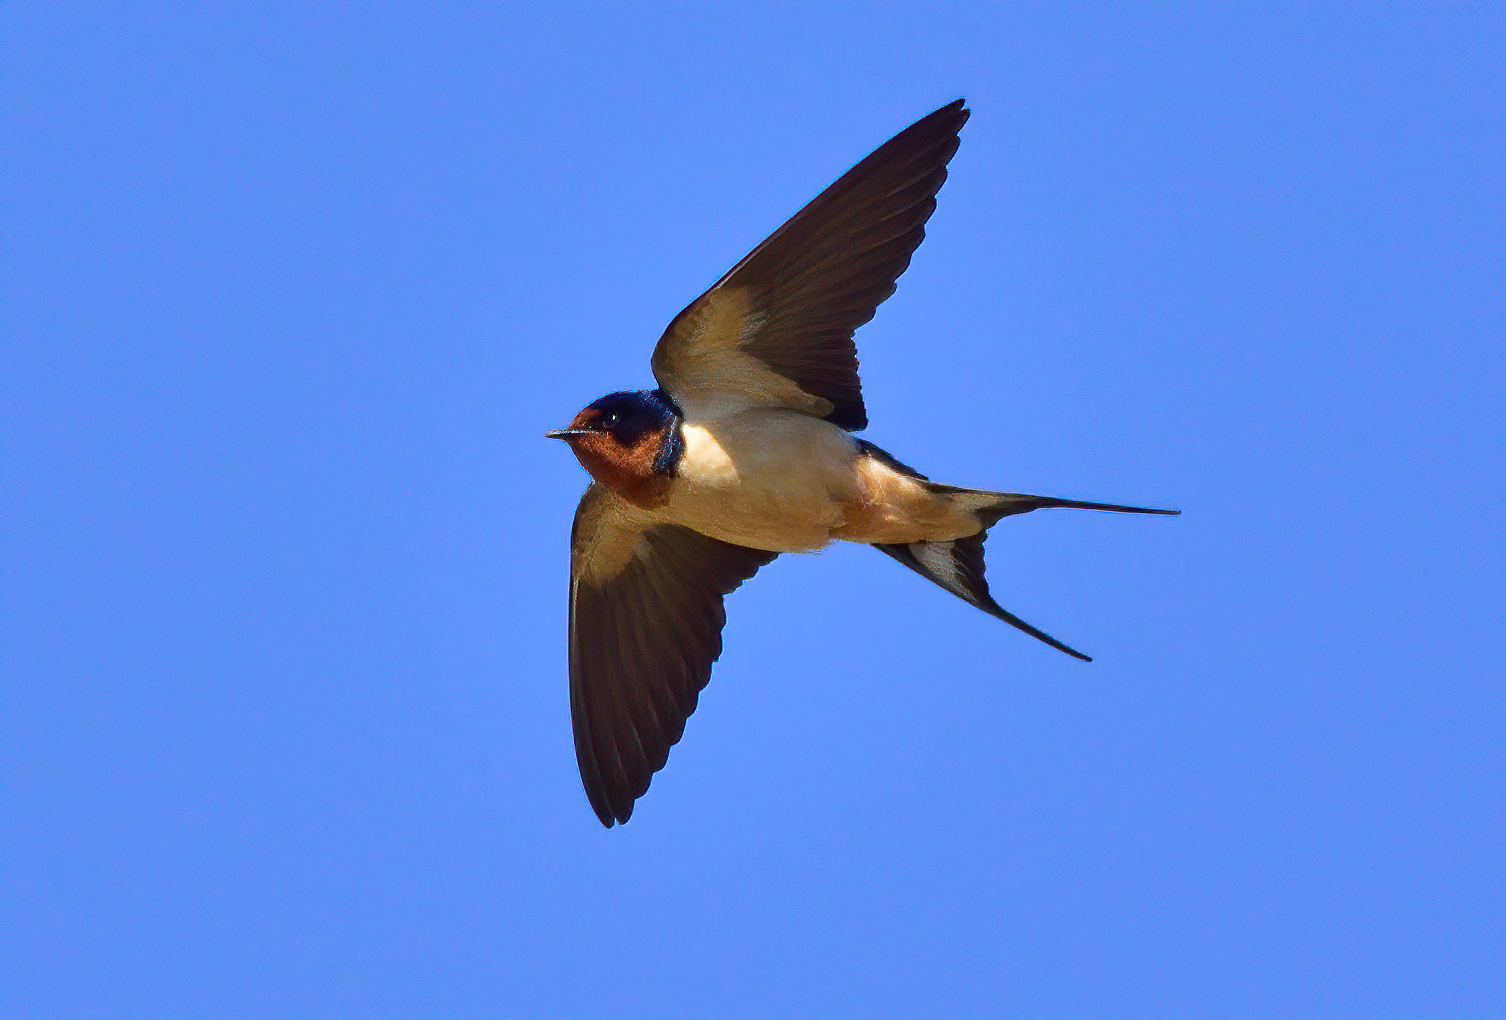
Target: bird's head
629, 442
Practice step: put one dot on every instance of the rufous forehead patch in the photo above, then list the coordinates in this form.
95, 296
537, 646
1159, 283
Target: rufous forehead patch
585, 417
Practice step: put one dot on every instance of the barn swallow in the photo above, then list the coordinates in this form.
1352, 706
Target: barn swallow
745, 451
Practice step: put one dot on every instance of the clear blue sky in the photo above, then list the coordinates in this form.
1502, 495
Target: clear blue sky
293, 291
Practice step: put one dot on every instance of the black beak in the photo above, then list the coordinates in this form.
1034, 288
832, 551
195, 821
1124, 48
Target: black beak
566, 433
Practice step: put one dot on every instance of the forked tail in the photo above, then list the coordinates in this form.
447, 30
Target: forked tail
957, 565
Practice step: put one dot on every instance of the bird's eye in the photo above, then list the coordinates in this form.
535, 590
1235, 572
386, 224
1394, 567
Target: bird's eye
609, 420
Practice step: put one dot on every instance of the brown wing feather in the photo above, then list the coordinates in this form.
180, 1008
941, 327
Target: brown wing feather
645, 626
795, 300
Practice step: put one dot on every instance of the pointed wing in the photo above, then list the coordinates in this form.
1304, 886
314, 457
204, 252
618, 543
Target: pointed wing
776, 331
645, 626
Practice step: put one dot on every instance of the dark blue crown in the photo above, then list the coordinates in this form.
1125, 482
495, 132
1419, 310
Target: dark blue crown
629, 415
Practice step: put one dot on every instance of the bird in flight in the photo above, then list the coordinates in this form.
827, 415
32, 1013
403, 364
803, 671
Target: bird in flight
745, 451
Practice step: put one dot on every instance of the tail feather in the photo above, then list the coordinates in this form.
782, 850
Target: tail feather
992, 507
957, 565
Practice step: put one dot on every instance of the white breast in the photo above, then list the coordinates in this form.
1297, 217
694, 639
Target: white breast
764, 478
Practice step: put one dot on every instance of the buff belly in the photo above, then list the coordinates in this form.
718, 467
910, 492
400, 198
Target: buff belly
767, 479
788, 482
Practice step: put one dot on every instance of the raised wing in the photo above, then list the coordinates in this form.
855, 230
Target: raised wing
645, 626
776, 331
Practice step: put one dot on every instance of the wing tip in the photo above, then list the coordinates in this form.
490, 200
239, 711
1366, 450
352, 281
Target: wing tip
605, 812
957, 108
949, 119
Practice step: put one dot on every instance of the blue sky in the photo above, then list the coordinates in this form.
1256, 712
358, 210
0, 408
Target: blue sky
293, 292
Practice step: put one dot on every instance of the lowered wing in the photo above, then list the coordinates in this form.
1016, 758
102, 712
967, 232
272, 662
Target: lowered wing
645, 626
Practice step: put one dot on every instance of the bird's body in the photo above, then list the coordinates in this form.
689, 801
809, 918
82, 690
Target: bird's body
786, 482
746, 451
764, 478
